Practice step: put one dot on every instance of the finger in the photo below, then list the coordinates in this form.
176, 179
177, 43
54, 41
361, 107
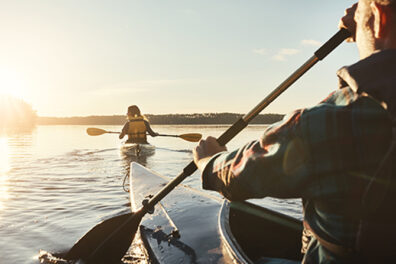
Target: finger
351, 9
212, 140
196, 153
201, 143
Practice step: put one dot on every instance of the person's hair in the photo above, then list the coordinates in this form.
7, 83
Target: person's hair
133, 110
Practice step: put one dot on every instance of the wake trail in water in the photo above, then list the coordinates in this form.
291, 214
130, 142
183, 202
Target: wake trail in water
77, 155
176, 150
80, 152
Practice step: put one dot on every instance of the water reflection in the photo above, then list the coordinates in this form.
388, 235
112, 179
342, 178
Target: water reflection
18, 130
13, 147
4, 156
4, 169
130, 154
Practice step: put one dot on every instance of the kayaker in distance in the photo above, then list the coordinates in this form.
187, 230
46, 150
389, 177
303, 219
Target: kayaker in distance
337, 156
137, 127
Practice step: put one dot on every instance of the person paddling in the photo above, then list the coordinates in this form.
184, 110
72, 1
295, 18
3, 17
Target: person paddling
137, 127
338, 156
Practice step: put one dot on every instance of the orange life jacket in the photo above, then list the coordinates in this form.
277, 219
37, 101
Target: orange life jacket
137, 130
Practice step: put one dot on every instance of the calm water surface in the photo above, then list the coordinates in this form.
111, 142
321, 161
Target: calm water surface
57, 182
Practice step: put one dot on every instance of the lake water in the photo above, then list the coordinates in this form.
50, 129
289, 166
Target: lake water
56, 183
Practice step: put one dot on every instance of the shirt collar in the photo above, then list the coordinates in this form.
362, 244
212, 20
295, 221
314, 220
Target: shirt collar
374, 75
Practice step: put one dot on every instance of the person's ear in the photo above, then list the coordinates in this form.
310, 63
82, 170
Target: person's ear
382, 18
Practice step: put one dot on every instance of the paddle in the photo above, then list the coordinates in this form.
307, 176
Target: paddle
192, 137
108, 241
92, 131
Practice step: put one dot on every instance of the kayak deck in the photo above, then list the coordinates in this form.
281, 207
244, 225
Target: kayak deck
136, 149
192, 212
211, 229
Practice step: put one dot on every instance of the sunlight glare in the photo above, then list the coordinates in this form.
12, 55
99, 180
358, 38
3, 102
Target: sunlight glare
4, 153
4, 168
11, 83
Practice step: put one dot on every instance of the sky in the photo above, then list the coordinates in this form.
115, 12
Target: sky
97, 57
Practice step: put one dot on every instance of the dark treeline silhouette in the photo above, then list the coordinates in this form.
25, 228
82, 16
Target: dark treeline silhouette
210, 118
16, 114
179, 119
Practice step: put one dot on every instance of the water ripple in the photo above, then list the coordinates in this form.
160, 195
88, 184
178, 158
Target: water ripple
55, 191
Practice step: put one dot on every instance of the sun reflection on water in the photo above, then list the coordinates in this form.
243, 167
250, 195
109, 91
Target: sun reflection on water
4, 169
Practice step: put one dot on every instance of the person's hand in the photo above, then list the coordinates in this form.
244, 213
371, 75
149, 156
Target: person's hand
205, 150
348, 22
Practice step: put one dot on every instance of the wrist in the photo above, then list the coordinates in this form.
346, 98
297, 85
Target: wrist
201, 163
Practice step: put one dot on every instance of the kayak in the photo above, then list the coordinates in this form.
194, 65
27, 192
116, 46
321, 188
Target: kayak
194, 226
137, 149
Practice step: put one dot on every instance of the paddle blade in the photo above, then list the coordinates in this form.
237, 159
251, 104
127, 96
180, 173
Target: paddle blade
108, 241
192, 137
92, 131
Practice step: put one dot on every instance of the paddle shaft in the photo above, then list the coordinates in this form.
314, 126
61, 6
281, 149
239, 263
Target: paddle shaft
239, 125
163, 135
193, 137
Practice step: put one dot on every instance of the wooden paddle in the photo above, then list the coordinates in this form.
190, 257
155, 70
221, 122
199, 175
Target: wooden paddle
93, 131
192, 137
108, 241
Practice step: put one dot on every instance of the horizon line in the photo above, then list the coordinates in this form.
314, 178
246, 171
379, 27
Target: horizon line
204, 113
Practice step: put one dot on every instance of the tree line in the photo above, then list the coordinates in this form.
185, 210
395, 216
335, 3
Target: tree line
166, 119
16, 114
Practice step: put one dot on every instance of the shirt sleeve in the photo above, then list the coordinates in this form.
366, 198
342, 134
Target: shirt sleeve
303, 155
257, 169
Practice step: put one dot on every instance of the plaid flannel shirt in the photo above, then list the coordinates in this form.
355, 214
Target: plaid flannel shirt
324, 154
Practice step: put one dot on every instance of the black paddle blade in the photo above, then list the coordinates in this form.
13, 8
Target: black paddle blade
108, 241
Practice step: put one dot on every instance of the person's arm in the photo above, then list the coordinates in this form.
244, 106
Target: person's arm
308, 154
124, 130
255, 170
149, 130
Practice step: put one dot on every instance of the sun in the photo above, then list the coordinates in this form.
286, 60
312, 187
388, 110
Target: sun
11, 83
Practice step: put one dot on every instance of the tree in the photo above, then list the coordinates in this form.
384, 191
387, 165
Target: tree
16, 114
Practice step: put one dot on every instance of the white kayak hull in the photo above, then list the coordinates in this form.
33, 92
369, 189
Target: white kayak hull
194, 226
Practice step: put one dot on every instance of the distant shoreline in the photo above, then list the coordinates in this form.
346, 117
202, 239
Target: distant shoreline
168, 119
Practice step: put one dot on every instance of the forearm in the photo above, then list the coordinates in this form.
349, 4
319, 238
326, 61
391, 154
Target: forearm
307, 154
265, 167
149, 129
249, 172
220, 180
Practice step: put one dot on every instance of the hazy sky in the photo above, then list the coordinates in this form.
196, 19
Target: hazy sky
95, 57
